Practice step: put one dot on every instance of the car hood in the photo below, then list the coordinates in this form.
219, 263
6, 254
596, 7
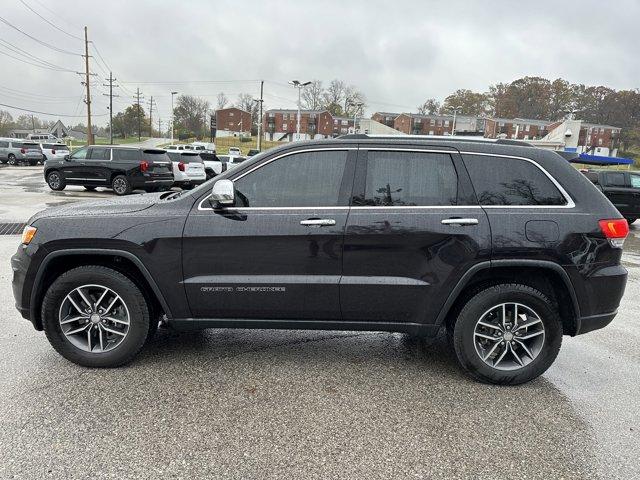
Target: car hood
111, 206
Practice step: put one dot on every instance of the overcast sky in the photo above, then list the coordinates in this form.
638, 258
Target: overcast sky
399, 53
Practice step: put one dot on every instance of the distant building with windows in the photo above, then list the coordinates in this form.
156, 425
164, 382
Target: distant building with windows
232, 122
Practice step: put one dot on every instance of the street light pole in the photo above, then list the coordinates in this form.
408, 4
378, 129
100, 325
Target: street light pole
357, 106
299, 86
172, 94
453, 127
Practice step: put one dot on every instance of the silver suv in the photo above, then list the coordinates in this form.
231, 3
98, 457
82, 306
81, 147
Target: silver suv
15, 150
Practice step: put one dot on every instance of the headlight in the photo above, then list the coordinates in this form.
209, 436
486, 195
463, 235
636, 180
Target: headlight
27, 234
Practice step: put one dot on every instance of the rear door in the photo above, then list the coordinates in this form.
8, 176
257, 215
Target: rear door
277, 254
634, 183
97, 166
414, 229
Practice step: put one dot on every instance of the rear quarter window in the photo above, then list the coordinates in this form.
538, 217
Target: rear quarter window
126, 155
615, 179
511, 181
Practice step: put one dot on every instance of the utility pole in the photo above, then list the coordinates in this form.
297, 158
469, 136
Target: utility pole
260, 102
151, 117
172, 94
33, 123
137, 97
88, 100
160, 127
110, 95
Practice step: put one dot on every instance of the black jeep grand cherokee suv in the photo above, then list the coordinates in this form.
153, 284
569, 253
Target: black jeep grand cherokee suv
506, 246
121, 168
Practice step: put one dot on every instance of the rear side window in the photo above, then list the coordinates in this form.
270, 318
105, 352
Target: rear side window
409, 179
511, 181
48, 146
615, 179
126, 155
4, 144
185, 158
635, 180
310, 179
100, 153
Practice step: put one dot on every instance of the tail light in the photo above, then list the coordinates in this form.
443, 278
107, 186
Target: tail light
181, 166
616, 230
144, 166
22, 150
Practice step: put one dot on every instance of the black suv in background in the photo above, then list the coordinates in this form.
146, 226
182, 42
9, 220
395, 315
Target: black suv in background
506, 246
621, 187
121, 168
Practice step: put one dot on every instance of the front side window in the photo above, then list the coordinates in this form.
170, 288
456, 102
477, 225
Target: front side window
511, 181
80, 154
409, 179
100, 153
307, 179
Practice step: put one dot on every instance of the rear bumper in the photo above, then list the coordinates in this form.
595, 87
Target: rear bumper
595, 322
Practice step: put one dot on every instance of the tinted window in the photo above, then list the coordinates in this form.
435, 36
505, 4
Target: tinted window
100, 153
615, 179
156, 155
310, 179
174, 156
126, 154
80, 154
187, 158
635, 180
4, 144
510, 181
409, 179
47, 145
61, 147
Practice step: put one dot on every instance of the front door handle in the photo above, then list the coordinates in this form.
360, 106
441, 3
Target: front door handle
460, 221
318, 222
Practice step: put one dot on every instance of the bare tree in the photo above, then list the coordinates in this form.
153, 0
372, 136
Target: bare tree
430, 107
248, 104
222, 100
333, 97
312, 96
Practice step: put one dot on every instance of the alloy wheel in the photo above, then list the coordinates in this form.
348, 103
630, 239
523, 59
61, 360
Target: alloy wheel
94, 318
119, 185
54, 180
509, 336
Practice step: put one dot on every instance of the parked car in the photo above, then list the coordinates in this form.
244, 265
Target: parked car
621, 187
176, 148
121, 168
39, 137
230, 161
205, 146
15, 151
54, 151
505, 246
188, 169
234, 152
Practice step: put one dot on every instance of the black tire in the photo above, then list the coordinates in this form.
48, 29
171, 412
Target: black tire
55, 180
120, 185
3, 161
11, 159
209, 173
89, 188
484, 300
136, 305
33, 163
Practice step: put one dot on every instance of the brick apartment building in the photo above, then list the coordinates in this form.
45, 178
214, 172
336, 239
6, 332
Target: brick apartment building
516, 128
281, 125
414, 124
385, 118
231, 121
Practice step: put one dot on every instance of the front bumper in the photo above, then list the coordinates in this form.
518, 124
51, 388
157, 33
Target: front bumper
20, 266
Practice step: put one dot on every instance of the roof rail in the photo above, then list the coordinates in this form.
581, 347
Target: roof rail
441, 138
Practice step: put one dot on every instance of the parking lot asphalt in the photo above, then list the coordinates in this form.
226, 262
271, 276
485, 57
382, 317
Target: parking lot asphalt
298, 404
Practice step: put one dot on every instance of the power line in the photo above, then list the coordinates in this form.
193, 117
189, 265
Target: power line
185, 82
47, 113
100, 56
49, 22
2, 87
9, 24
35, 64
56, 14
19, 51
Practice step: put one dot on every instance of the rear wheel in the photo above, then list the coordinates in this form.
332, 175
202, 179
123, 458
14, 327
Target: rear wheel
507, 334
55, 181
95, 317
121, 185
11, 159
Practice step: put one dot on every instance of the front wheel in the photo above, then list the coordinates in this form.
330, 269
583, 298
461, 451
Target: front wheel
507, 334
121, 185
55, 181
12, 159
95, 317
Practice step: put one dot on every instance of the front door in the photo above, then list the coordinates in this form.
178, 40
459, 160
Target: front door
73, 167
95, 169
414, 229
277, 254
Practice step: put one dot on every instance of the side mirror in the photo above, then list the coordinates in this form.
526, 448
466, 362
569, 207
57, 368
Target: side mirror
222, 194
67, 158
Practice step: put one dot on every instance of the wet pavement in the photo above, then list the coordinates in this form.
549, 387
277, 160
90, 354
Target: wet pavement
297, 404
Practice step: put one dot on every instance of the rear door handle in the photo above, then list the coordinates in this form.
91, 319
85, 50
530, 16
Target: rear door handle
460, 221
318, 222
